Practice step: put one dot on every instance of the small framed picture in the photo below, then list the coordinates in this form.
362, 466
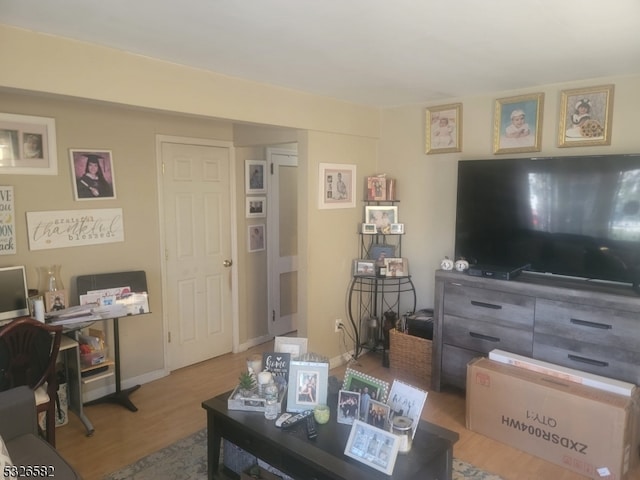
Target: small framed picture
382, 216
255, 176
376, 188
336, 186
369, 228
348, 407
370, 388
408, 401
93, 175
307, 385
397, 228
378, 414
364, 267
373, 446
381, 251
397, 267
295, 346
255, 237
444, 129
585, 116
256, 207
54, 301
518, 124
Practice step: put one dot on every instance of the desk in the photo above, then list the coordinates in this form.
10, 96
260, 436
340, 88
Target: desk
323, 459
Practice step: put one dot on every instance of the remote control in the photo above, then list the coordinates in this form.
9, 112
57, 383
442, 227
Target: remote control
296, 419
282, 418
312, 432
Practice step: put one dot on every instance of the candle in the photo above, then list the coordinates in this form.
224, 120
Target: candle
264, 378
254, 364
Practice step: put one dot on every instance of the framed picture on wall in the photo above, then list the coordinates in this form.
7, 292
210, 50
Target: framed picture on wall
93, 175
255, 237
28, 145
255, 176
336, 186
256, 207
585, 116
444, 129
518, 124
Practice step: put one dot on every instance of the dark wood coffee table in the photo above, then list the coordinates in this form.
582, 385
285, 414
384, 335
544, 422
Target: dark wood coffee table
323, 458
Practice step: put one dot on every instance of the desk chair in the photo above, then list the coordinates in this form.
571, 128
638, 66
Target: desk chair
28, 353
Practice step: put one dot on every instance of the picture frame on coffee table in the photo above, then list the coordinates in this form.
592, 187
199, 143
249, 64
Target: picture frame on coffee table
348, 407
373, 447
355, 381
408, 401
307, 385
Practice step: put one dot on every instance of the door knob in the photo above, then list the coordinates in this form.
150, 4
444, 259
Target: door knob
227, 263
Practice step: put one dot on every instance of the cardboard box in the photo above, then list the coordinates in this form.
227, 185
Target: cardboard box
586, 430
597, 381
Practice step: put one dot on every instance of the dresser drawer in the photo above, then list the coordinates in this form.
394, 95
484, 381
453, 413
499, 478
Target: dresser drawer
502, 308
584, 323
597, 359
484, 336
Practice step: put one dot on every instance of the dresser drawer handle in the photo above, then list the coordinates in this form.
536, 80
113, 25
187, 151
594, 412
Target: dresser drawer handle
480, 336
585, 323
590, 361
493, 306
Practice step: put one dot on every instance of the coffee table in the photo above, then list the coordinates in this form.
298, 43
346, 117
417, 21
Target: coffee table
323, 458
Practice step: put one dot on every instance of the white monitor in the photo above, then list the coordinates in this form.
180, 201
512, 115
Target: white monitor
14, 296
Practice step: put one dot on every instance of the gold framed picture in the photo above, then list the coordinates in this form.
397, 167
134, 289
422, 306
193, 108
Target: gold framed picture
585, 116
518, 124
443, 129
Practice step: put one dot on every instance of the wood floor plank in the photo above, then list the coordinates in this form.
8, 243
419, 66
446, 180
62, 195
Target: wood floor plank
170, 409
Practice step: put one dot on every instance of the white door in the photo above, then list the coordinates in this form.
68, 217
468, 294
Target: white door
282, 241
197, 238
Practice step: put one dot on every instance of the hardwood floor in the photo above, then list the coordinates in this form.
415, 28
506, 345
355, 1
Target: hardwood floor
170, 409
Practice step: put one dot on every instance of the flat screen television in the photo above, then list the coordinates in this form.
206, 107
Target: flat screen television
14, 296
575, 216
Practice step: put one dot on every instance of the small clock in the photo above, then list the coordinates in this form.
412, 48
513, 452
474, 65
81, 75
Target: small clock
462, 265
446, 264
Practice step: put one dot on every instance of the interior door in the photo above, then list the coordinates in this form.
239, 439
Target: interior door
282, 241
197, 233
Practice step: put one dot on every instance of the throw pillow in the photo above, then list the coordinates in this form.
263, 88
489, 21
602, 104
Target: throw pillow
5, 461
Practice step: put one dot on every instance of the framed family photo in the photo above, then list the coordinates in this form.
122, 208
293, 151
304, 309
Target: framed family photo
585, 116
28, 145
444, 129
337, 186
355, 381
93, 175
373, 446
255, 176
348, 407
518, 124
307, 385
256, 207
382, 216
397, 267
364, 267
407, 401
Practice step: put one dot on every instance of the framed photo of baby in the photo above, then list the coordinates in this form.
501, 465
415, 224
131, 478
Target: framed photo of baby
518, 124
93, 175
443, 129
585, 116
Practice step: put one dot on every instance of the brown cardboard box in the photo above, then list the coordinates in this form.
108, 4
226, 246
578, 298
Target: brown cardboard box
264, 474
586, 430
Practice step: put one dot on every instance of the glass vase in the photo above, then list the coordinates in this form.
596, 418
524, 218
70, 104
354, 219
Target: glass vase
49, 279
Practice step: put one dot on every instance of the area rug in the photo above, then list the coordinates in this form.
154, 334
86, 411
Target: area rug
186, 459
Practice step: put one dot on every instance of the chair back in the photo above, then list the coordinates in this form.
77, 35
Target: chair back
28, 353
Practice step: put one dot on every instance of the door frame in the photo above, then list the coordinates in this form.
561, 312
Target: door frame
160, 139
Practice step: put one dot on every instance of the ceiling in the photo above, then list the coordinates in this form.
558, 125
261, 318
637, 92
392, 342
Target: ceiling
380, 53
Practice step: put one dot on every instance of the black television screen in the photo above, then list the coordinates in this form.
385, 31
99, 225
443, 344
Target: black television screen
570, 216
13, 293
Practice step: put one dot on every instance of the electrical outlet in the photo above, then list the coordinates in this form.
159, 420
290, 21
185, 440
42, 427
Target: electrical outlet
338, 325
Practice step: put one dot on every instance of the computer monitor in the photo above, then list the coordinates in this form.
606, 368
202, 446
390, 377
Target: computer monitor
14, 296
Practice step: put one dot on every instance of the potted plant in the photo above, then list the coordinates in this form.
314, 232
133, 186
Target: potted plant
246, 384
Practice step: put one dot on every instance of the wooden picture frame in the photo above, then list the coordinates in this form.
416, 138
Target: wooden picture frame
28, 145
308, 385
255, 238
255, 176
256, 207
295, 346
355, 381
93, 174
373, 446
443, 133
336, 186
518, 124
376, 188
586, 116
382, 216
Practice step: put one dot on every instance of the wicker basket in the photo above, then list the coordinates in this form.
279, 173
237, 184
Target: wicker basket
410, 358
